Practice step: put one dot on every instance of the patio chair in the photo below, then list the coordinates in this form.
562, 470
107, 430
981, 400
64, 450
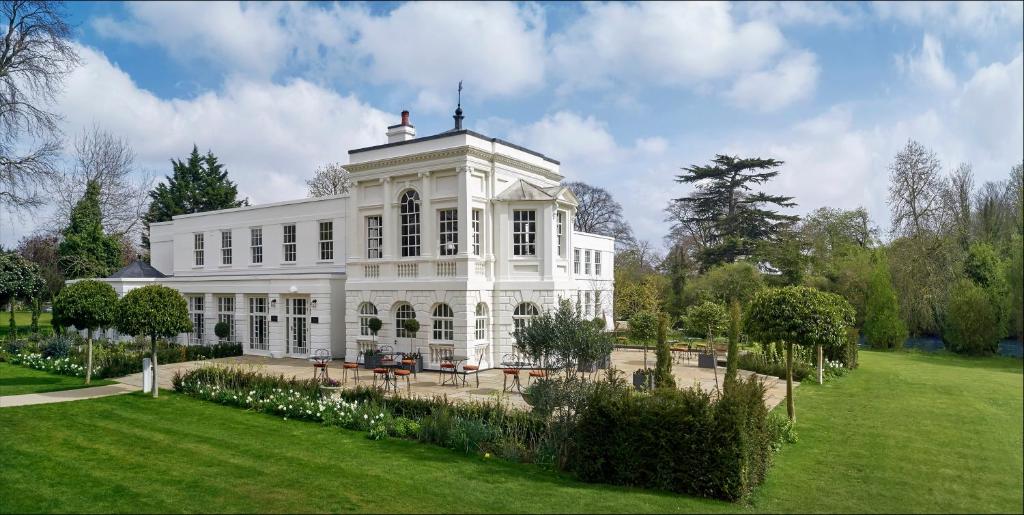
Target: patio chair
403, 374
345, 367
510, 364
470, 368
321, 357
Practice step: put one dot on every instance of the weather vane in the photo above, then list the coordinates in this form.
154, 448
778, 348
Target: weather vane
460, 94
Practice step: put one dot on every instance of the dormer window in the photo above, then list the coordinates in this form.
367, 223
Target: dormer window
409, 211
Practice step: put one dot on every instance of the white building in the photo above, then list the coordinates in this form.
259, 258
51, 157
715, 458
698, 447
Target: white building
468, 234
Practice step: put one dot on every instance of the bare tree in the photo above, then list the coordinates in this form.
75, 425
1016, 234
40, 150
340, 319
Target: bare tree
110, 161
994, 211
915, 190
599, 213
329, 179
36, 54
956, 202
1015, 192
687, 228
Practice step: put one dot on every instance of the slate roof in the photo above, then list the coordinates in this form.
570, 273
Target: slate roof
137, 270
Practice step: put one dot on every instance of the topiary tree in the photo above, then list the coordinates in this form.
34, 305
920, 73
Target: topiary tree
411, 326
564, 334
971, 320
802, 316
735, 320
643, 327
708, 319
88, 305
883, 327
19, 279
154, 311
663, 356
374, 324
222, 329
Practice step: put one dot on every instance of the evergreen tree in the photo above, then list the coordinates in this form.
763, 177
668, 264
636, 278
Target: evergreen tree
735, 322
196, 185
663, 357
740, 218
86, 251
883, 327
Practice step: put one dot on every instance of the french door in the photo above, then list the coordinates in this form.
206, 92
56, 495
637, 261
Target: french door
296, 318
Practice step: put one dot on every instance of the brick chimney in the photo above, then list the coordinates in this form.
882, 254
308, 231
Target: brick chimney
403, 131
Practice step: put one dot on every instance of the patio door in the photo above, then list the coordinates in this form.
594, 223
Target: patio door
296, 325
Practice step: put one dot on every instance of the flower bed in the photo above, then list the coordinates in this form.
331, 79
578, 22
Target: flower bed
63, 366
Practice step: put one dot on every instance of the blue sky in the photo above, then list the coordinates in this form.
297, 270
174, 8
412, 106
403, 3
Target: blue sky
622, 94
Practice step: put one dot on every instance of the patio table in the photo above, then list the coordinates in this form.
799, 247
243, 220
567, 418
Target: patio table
453, 376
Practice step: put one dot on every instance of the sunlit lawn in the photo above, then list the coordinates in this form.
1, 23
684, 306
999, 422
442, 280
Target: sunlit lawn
905, 432
17, 380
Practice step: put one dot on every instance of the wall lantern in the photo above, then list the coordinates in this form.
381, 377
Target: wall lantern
293, 289
273, 303
313, 303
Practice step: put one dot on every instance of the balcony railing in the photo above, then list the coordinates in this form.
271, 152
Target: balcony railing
408, 270
371, 271
446, 269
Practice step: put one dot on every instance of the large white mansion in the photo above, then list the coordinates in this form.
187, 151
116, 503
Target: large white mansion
468, 234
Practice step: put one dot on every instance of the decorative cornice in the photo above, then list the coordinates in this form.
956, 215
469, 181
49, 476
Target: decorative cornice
460, 151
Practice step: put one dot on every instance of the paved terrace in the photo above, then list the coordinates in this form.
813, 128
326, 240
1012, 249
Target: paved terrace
427, 384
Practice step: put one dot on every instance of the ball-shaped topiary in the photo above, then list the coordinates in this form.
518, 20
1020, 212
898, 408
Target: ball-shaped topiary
411, 326
222, 329
154, 311
374, 324
87, 305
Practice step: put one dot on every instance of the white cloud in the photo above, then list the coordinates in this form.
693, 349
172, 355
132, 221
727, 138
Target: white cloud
792, 79
569, 138
802, 13
269, 136
497, 48
663, 43
928, 66
976, 19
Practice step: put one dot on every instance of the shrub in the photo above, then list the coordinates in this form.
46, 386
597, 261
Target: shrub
771, 363
222, 330
58, 346
971, 320
883, 327
678, 440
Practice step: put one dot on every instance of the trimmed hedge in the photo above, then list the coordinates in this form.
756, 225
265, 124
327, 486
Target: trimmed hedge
678, 440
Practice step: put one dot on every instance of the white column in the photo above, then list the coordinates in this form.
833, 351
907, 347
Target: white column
353, 229
391, 231
209, 317
241, 321
546, 242
428, 218
465, 212
276, 332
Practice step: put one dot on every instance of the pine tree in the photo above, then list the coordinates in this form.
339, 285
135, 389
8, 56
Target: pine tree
196, 185
86, 251
741, 219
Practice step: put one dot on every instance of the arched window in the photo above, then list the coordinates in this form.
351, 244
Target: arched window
366, 312
481, 321
409, 209
523, 315
402, 313
444, 323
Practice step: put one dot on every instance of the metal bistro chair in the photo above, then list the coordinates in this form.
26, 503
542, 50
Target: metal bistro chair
470, 368
510, 364
345, 367
321, 357
449, 374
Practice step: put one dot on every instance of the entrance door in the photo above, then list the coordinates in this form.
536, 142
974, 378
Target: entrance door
296, 325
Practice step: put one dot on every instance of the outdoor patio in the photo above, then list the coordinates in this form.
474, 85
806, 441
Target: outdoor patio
428, 382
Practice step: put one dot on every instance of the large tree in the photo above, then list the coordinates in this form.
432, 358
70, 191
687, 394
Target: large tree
740, 219
19, 279
41, 248
956, 202
109, 161
88, 305
197, 184
36, 54
330, 179
915, 191
86, 251
599, 213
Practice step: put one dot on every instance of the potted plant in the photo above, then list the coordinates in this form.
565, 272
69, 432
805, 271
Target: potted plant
371, 359
643, 378
411, 326
329, 386
374, 324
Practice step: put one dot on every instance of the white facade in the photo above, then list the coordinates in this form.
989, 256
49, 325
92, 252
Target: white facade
463, 229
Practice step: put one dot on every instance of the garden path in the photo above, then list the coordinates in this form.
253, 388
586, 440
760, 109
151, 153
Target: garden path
10, 401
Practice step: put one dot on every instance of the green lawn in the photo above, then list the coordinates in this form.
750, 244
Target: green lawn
906, 432
16, 380
23, 320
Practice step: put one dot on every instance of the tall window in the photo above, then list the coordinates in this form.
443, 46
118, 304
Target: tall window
409, 211
374, 237
195, 308
256, 244
403, 313
444, 323
560, 232
366, 312
586, 262
448, 230
597, 262
326, 241
198, 248
524, 232
579, 300
481, 321
226, 314
597, 303
523, 314
586, 303
289, 243
258, 323
225, 247
477, 215
576, 261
